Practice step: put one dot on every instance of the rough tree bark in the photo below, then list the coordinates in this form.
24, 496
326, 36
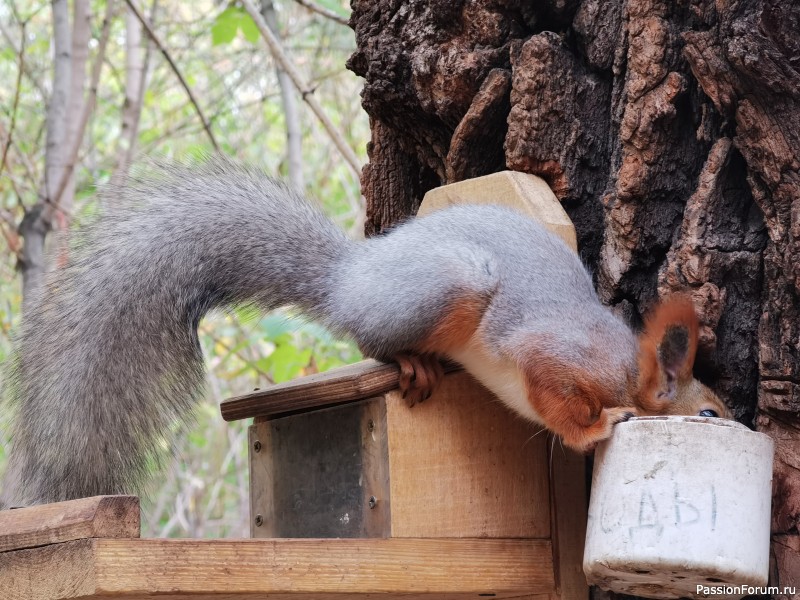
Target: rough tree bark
670, 131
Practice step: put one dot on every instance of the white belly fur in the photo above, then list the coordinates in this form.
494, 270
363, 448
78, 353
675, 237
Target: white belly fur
500, 375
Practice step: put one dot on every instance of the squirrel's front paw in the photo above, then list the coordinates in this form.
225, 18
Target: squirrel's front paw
622, 414
419, 376
602, 429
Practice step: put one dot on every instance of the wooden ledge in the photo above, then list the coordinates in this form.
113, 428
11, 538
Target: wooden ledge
358, 381
279, 568
96, 517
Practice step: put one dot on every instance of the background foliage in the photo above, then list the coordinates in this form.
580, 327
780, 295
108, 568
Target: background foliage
223, 59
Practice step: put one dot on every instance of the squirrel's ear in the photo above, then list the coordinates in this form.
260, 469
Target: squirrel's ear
667, 348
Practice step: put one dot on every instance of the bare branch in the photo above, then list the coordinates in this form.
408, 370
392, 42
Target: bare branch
321, 10
15, 105
81, 34
37, 221
147, 27
30, 170
88, 106
291, 115
28, 72
135, 83
9, 232
250, 362
307, 94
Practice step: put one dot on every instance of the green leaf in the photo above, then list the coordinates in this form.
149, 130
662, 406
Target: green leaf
224, 27
6, 53
249, 29
264, 364
287, 361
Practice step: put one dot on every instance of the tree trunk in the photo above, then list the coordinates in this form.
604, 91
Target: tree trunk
137, 58
38, 221
291, 112
670, 131
81, 34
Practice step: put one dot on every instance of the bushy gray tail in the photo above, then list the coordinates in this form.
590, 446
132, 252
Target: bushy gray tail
108, 360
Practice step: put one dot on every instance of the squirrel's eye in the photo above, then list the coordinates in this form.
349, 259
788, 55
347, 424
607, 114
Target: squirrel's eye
708, 413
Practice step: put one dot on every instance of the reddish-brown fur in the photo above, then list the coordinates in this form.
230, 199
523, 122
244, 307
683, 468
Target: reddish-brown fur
677, 310
578, 405
420, 371
460, 321
582, 403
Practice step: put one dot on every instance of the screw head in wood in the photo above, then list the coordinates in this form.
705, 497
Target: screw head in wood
256, 446
373, 502
259, 520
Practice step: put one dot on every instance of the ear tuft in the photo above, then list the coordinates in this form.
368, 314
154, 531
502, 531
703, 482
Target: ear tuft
674, 349
667, 348
673, 328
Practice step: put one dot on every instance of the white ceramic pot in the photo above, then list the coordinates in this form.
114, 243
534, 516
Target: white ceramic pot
679, 502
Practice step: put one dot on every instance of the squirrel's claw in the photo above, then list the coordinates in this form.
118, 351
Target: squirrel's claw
419, 376
608, 418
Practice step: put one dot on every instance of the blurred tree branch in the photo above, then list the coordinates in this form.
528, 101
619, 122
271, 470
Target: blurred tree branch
152, 34
86, 109
321, 10
294, 148
307, 93
36, 223
15, 105
13, 45
81, 34
136, 68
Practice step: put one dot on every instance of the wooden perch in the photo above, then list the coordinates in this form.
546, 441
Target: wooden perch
359, 381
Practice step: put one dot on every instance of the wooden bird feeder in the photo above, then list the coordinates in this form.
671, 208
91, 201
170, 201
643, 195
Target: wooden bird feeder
353, 493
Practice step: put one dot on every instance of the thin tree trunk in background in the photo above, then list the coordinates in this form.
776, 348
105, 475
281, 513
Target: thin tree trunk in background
278, 53
291, 114
39, 219
137, 61
81, 34
669, 131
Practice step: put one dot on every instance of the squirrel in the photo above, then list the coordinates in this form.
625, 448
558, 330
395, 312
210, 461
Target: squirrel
108, 357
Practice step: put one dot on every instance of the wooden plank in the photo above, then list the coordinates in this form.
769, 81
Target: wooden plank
359, 381
65, 570
311, 477
462, 465
523, 192
263, 523
375, 467
290, 568
99, 516
569, 502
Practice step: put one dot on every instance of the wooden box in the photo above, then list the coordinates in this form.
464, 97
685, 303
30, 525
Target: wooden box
459, 466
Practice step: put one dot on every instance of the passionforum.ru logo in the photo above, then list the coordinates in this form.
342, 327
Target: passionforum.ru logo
744, 590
